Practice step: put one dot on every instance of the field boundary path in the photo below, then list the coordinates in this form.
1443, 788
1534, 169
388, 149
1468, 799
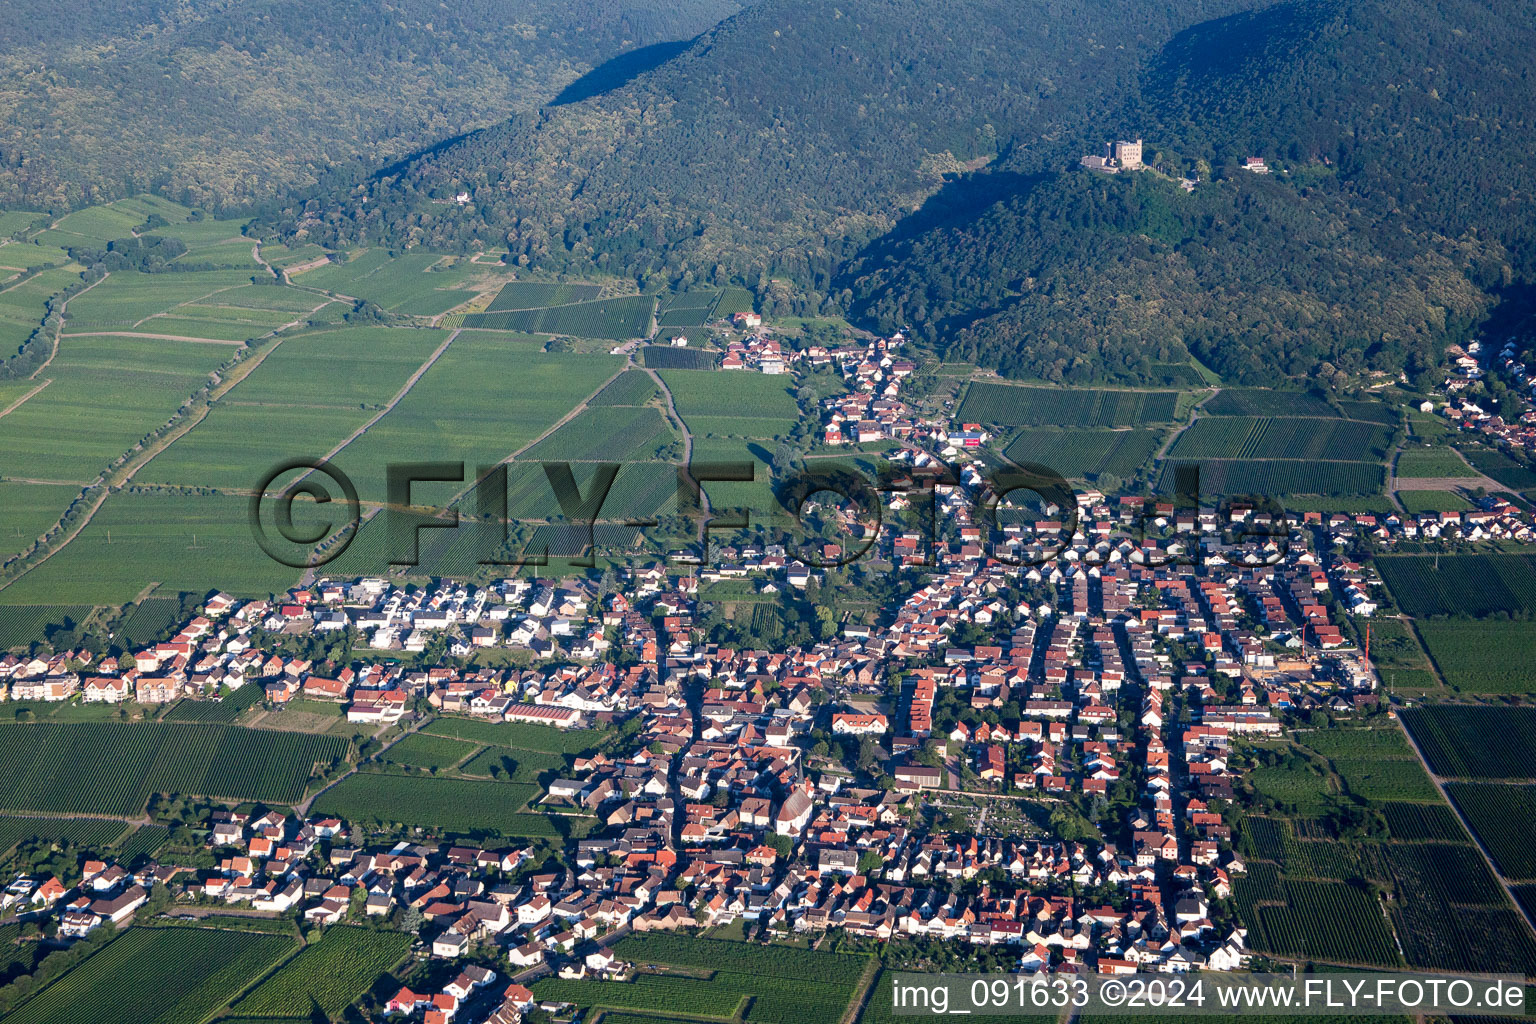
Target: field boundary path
302, 808
16, 404
399, 395
682, 428
1509, 892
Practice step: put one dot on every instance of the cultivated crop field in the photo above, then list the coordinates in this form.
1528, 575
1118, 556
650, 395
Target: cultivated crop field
150, 621
1487, 656
184, 542
1416, 822
1451, 914
1504, 818
459, 806
462, 409
516, 734
786, 985
21, 625
399, 283
1275, 477
632, 387
420, 750
1432, 462
607, 434
333, 973
1472, 584
513, 765
126, 297
128, 982
731, 393
665, 357
112, 768
1501, 467
1325, 921
1475, 741
617, 319
1245, 437
1084, 454
535, 294
28, 510
105, 395
1022, 406
1262, 402
91, 834
1415, 502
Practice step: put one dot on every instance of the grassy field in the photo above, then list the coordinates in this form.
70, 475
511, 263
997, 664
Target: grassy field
1012, 405
183, 542
1486, 657
127, 982
105, 395
1084, 454
329, 975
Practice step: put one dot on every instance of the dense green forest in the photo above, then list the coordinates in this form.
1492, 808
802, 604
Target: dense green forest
1400, 212
778, 142
225, 102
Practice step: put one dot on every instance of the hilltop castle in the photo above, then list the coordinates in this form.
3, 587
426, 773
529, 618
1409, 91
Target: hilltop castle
1119, 156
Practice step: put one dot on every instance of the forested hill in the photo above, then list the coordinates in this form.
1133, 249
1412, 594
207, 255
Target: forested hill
1401, 208
232, 100
778, 142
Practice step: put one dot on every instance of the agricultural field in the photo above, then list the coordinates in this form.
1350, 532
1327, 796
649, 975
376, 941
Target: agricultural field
785, 985
1474, 585
403, 283
224, 711
1277, 477
632, 387
1415, 502
456, 806
27, 511
183, 542
1504, 818
1298, 789
1324, 921
1451, 914
308, 395
113, 768
126, 297
151, 620
1246, 437
22, 625
1264, 402
722, 393
329, 975
283, 256
511, 765
92, 834
607, 434
1432, 463
535, 294
1467, 741
1023, 406
665, 357
105, 395
1486, 657
1418, 822
126, 982
1085, 454
1398, 657
1378, 778
461, 409
516, 734
420, 750
1506, 470
143, 842
617, 319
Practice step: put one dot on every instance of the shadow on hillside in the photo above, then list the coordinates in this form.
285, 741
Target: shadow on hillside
619, 71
